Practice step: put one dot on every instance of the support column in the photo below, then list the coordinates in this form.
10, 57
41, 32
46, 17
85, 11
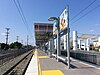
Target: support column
55, 43
99, 43
43, 45
58, 39
79, 43
85, 45
74, 40
48, 45
65, 42
58, 46
88, 44
52, 46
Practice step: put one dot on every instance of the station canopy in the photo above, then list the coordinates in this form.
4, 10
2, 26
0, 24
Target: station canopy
85, 36
43, 31
92, 36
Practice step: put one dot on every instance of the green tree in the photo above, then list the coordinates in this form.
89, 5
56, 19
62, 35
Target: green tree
16, 45
4, 46
11, 45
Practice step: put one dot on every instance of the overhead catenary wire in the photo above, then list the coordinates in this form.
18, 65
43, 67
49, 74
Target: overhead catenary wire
86, 14
83, 10
21, 13
26, 23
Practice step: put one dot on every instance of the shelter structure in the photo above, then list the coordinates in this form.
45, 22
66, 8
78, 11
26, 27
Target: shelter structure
43, 31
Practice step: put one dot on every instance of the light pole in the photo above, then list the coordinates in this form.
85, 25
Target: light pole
58, 37
68, 42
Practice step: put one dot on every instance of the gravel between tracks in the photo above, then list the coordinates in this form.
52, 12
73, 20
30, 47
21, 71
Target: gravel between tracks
11, 63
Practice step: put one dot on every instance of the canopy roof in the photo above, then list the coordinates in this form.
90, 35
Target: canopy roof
43, 31
85, 36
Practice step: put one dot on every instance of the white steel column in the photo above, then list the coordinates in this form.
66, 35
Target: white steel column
74, 40
49, 45
65, 42
52, 46
99, 43
79, 43
84, 44
55, 43
88, 44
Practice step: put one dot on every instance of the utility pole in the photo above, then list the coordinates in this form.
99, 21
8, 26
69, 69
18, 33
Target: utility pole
17, 38
7, 34
22, 41
27, 41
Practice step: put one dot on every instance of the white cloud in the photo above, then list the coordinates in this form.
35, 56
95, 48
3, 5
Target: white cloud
91, 30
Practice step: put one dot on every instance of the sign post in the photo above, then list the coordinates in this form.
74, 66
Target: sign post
64, 26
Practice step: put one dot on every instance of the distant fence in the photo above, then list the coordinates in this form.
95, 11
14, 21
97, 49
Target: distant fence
10, 54
93, 57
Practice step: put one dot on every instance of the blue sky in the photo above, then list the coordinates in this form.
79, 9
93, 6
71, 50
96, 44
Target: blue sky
40, 11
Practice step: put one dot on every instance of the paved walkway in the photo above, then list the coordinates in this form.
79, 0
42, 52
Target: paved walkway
50, 66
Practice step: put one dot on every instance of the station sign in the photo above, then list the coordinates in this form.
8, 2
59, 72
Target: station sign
64, 19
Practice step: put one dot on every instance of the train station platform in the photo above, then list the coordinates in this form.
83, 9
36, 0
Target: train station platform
50, 66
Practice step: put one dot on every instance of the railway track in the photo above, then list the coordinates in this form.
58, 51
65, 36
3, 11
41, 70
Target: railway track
19, 67
10, 54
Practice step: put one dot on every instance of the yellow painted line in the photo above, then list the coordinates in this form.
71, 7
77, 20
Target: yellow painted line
52, 72
36, 53
32, 52
39, 67
40, 57
90, 65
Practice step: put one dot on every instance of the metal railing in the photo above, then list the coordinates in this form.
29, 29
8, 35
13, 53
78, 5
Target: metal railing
92, 57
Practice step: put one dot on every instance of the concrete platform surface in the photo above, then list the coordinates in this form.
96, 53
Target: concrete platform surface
50, 66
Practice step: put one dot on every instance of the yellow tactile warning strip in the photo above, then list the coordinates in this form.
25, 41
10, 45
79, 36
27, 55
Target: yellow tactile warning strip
36, 53
32, 52
38, 62
46, 72
42, 57
39, 67
52, 72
